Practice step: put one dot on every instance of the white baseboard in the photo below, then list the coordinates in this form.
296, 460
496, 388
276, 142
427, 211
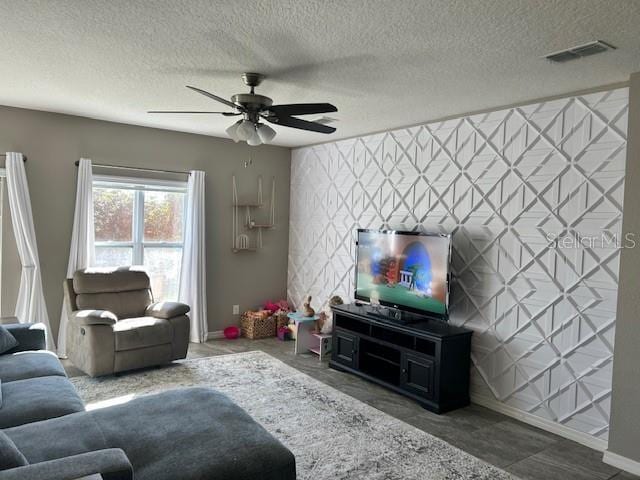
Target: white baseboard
548, 425
214, 335
621, 462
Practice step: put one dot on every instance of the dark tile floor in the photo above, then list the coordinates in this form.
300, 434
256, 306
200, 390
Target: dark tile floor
527, 452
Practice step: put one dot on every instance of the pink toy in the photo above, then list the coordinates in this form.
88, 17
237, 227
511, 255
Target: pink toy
271, 306
284, 306
276, 307
231, 333
284, 333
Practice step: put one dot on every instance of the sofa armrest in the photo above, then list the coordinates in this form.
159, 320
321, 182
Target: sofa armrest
30, 336
93, 317
111, 463
167, 309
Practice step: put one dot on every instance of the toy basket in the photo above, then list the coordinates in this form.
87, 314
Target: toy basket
256, 325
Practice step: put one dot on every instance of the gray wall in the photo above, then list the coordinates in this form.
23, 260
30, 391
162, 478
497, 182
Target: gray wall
624, 436
53, 142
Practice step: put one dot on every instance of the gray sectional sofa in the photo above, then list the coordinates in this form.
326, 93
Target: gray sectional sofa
188, 434
33, 384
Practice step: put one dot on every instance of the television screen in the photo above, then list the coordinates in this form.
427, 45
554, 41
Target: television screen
405, 270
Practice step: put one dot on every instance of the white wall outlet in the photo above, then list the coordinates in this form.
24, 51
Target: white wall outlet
236, 309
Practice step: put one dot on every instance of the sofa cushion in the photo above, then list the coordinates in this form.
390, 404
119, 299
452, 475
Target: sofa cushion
49, 439
10, 456
201, 434
133, 333
30, 336
22, 365
35, 399
7, 341
103, 280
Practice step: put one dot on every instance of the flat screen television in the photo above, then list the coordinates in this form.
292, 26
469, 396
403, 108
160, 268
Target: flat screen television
404, 270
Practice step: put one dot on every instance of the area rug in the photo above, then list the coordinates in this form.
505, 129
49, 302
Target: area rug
332, 435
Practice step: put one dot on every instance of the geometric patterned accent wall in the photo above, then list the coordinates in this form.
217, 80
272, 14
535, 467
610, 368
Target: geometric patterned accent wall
533, 196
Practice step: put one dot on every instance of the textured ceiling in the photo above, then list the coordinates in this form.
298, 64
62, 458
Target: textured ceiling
384, 64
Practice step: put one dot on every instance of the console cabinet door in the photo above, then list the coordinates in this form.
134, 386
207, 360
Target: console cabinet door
345, 349
417, 375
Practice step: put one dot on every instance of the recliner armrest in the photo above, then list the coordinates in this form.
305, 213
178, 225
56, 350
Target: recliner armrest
167, 309
30, 336
111, 463
93, 317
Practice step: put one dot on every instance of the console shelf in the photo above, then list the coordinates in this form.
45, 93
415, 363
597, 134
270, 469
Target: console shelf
423, 358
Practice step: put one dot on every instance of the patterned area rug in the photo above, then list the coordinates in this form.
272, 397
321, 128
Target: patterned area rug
332, 435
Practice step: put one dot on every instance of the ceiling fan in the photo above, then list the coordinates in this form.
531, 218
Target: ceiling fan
254, 107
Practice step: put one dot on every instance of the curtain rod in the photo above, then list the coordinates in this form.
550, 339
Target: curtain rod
24, 159
140, 169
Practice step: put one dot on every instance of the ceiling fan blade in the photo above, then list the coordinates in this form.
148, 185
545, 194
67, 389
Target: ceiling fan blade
302, 109
214, 97
226, 114
301, 124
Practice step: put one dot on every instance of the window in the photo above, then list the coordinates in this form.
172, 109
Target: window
140, 222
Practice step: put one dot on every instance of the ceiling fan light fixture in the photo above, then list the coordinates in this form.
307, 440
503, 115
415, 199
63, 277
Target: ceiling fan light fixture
265, 132
245, 130
232, 131
254, 140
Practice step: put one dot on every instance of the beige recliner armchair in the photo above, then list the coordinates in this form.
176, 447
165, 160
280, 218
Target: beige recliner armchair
115, 326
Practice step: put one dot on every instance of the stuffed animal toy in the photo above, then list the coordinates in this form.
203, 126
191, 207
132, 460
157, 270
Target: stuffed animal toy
324, 324
281, 306
284, 306
307, 311
271, 306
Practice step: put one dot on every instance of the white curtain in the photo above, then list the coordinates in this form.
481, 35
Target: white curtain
193, 281
30, 307
82, 251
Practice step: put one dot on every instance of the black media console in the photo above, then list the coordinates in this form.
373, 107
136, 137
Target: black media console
423, 358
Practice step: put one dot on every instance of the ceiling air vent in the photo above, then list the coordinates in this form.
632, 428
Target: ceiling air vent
580, 51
